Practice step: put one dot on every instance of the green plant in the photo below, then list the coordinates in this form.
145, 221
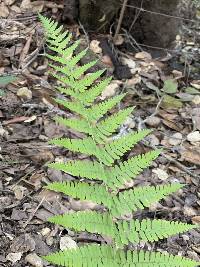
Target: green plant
103, 178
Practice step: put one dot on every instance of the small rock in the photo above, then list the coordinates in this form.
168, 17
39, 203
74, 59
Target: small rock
24, 93
4, 11
194, 137
45, 231
153, 140
196, 100
18, 215
67, 242
94, 46
49, 240
110, 90
130, 63
41, 247
14, 257
4, 202
23, 243
55, 175
19, 191
3, 132
130, 123
162, 175
193, 255
34, 260
153, 121
176, 139
189, 211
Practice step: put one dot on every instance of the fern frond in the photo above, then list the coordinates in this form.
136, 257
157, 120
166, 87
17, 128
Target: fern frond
149, 230
107, 256
82, 84
142, 197
119, 204
114, 177
106, 154
128, 170
67, 52
87, 97
84, 191
122, 232
110, 191
76, 72
92, 170
102, 130
92, 222
97, 111
117, 148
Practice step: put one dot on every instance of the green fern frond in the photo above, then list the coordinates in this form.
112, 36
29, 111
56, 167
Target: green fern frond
118, 204
114, 177
77, 72
106, 154
149, 230
89, 96
84, 191
117, 148
92, 222
122, 232
105, 176
103, 129
82, 84
97, 111
107, 256
128, 170
142, 197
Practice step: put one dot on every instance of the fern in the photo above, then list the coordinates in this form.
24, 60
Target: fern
104, 177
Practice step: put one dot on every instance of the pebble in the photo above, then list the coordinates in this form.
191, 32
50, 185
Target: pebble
24, 93
194, 137
14, 257
95, 47
23, 243
175, 139
34, 260
196, 100
67, 242
189, 211
154, 141
45, 231
49, 240
162, 175
153, 121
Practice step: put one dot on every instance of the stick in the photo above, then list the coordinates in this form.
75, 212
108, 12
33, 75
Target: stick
120, 20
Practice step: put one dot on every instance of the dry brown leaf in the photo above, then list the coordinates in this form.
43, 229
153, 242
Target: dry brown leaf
191, 155
24, 51
173, 125
15, 120
196, 220
143, 55
4, 12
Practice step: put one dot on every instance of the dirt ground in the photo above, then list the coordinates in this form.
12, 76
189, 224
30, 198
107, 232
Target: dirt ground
166, 94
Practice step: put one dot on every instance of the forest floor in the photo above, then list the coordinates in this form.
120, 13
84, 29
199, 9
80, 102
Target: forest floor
166, 94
